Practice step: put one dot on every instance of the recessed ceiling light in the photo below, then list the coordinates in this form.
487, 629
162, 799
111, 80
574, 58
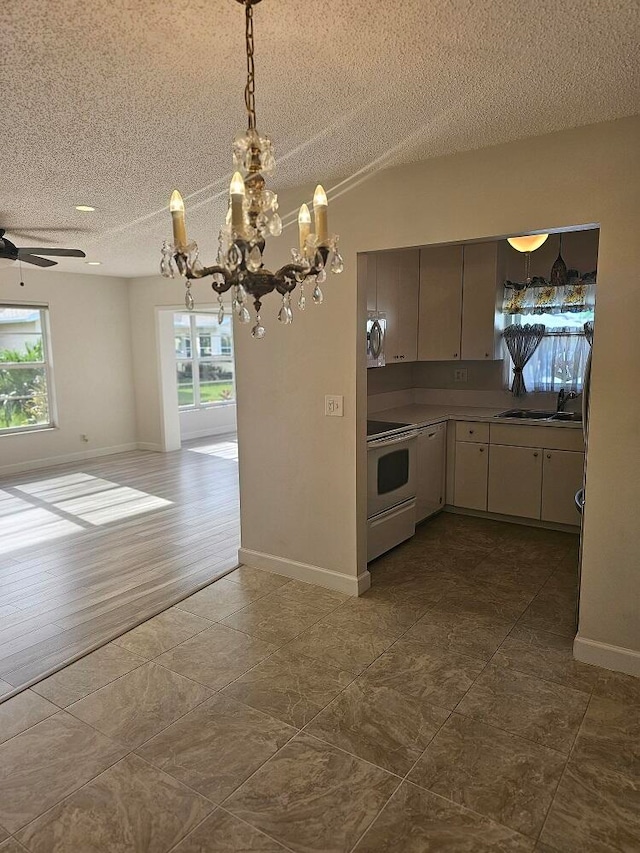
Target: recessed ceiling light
93, 263
85, 208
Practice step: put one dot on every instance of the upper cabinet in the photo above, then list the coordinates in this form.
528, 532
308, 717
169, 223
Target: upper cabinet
396, 276
439, 320
482, 288
460, 295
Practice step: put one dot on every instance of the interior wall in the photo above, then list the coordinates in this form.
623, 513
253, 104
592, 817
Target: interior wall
215, 420
146, 297
91, 354
303, 479
391, 377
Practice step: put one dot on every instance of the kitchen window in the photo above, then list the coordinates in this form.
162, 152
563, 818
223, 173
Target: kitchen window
560, 358
25, 369
204, 360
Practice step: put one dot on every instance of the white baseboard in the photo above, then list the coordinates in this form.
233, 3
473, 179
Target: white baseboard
52, 461
187, 435
149, 445
350, 585
617, 658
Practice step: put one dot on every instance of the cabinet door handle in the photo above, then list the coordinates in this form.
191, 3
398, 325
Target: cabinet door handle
548, 456
536, 453
486, 355
482, 450
470, 432
455, 355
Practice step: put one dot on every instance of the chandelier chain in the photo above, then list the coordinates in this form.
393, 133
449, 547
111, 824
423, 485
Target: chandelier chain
250, 88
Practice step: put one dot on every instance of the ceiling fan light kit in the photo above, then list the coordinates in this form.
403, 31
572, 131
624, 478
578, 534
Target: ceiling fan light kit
251, 217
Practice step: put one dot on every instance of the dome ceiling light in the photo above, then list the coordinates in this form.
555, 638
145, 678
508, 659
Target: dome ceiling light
528, 243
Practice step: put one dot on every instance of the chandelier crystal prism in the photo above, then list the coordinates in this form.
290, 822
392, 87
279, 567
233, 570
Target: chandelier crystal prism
252, 217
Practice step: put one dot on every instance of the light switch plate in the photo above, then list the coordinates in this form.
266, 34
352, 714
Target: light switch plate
460, 374
334, 405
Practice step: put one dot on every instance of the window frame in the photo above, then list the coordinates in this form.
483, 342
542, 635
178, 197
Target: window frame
47, 363
196, 359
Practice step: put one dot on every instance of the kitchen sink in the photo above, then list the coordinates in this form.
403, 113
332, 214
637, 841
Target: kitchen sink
539, 415
567, 416
530, 414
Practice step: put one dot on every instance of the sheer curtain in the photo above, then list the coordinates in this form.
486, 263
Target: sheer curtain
558, 362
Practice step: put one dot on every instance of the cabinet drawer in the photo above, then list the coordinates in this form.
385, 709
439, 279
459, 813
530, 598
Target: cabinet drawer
554, 438
472, 431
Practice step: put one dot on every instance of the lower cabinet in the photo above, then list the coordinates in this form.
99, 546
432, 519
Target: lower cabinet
431, 456
470, 478
562, 473
525, 482
515, 480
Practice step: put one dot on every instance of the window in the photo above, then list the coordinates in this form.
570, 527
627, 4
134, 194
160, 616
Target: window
560, 359
205, 373
25, 374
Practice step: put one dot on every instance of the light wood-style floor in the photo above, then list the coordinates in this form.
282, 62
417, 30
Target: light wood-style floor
90, 549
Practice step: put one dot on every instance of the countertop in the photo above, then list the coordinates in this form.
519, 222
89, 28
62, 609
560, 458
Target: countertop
426, 415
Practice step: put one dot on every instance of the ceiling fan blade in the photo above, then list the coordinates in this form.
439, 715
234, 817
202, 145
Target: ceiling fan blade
63, 253
36, 261
33, 232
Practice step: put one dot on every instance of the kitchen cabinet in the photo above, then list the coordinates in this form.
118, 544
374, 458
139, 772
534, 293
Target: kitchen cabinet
392, 282
367, 274
522, 471
482, 317
460, 302
440, 309
397, 283
515, 480
562, 474
431, 456
470, 476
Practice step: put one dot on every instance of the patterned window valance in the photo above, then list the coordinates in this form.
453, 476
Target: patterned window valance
541, 297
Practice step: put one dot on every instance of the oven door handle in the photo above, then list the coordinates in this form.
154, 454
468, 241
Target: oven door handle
398, 439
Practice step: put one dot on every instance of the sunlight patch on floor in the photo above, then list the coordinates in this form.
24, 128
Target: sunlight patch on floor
22, 524
93, 499
221, 449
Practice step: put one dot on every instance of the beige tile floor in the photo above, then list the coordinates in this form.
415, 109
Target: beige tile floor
442, 711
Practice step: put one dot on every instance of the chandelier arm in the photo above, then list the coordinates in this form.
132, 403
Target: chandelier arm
214, 270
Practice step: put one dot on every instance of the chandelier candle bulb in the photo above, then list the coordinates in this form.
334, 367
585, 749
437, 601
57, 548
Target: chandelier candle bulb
176, 206
320, 210
236, 191
304, 226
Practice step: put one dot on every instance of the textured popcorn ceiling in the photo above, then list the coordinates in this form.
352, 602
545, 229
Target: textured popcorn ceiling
114, 102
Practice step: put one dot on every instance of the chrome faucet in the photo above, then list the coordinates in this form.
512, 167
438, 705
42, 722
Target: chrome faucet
563, 398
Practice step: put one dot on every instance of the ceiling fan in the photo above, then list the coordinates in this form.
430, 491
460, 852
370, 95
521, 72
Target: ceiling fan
29, 255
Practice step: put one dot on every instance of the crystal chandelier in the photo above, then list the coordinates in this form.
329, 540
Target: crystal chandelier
252, 215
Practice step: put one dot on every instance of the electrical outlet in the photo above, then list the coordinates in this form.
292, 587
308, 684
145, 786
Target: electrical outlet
84, 437
334, 405
460, 374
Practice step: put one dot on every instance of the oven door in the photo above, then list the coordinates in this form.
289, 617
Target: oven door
391, 472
